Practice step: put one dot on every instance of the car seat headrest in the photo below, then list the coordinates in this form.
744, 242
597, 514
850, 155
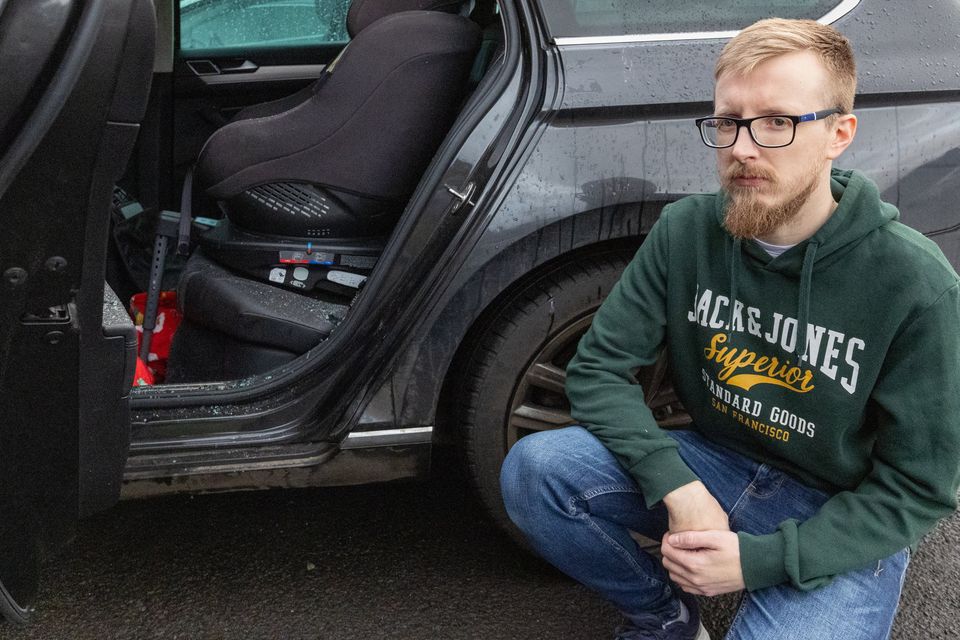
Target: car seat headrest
363, 13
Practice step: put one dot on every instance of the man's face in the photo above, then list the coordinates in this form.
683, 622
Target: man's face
769, 187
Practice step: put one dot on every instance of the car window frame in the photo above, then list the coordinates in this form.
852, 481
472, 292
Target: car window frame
260, 48
843, 8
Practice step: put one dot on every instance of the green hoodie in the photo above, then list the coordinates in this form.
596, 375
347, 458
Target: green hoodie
837, 362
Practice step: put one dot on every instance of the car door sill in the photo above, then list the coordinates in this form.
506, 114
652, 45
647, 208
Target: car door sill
169, 464
222, 460
332, 467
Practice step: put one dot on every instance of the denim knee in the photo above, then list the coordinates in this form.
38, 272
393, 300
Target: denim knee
530, 467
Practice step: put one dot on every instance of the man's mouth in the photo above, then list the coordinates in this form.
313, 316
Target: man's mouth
747, 177
749, 181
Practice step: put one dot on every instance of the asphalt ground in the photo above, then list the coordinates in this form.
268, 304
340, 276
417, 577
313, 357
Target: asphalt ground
401, 561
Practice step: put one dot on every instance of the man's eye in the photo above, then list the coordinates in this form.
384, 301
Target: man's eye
778, 123
723, 124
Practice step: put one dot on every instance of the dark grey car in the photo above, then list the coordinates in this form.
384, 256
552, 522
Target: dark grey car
577, 130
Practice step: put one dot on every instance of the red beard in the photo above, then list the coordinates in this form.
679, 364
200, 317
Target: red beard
746, 216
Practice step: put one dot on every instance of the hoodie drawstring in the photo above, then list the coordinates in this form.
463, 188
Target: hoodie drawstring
806, 285
803, 305
734, 260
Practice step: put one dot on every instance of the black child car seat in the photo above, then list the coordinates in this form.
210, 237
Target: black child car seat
341, 158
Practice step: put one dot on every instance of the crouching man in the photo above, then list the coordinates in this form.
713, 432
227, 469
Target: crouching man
814, 340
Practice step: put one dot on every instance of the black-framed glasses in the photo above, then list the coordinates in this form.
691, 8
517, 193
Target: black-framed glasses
766, 131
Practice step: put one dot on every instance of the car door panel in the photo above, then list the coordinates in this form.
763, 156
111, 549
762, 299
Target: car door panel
85, 106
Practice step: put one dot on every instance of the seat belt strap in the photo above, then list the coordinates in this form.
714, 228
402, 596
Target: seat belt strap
186, 214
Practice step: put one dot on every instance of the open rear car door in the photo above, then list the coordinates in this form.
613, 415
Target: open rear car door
75, 77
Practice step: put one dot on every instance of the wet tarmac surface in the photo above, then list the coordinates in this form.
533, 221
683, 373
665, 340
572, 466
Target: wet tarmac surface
403, 561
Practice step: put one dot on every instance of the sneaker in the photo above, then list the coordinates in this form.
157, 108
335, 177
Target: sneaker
685, 626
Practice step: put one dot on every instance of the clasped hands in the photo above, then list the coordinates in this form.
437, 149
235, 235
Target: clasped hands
699, 551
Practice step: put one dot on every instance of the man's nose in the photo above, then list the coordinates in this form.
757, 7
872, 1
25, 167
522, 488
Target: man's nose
744, 148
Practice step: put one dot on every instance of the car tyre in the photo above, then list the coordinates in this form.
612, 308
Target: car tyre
515, 373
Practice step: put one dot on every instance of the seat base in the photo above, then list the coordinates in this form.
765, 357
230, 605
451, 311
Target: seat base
338, 266
199, 354
234, 326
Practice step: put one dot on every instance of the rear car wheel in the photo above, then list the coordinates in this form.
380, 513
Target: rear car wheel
515, 375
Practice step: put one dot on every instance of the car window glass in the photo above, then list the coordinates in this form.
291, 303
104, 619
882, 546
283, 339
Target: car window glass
214, 24
630, 17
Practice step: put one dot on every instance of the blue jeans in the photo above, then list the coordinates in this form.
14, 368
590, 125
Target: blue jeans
577, 505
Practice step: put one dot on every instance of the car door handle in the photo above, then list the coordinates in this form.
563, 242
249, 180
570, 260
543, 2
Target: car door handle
245, 66
211, 68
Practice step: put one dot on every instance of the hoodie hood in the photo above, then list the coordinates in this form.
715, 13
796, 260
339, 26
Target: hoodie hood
859, 212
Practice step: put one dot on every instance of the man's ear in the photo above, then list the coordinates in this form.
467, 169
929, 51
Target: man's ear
844, 129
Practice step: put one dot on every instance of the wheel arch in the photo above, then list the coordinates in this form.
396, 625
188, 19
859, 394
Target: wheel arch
425, 380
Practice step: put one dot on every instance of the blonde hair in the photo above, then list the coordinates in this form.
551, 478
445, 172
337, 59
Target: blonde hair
774, 37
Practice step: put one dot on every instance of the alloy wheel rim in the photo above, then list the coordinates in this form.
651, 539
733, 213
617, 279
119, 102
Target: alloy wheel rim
539, 403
